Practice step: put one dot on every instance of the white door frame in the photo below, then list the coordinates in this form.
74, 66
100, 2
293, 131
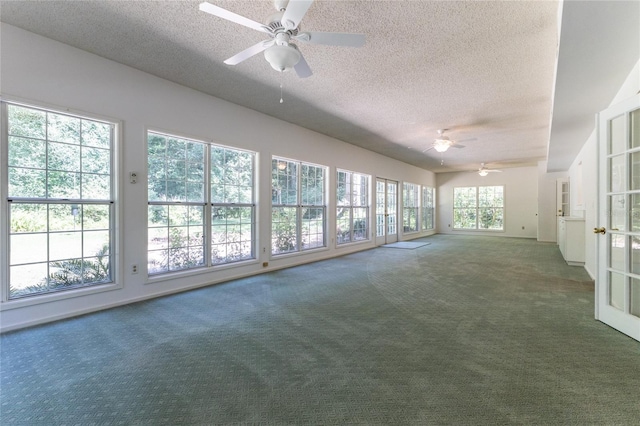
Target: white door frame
386, 237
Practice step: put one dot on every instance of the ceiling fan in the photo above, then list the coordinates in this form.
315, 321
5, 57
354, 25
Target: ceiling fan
283, 27
443, 143
483, 171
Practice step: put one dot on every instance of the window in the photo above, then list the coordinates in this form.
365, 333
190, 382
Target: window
61, 200
181, 213
298, 206
428, 208
410, 207
478, 207
352, 211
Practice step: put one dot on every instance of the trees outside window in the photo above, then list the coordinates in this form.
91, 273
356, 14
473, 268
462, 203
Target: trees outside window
61, 200
181, 212
410, 206
478, 207
428, 208
352, 207
298, 202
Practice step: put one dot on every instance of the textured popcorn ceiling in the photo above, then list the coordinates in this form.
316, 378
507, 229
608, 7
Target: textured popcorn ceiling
485, 70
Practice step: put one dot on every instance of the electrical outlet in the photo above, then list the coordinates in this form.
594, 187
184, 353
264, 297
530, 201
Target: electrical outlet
523, 227
265, 264
134, 268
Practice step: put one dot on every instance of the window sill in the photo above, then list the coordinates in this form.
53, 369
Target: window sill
166, 276
57, 296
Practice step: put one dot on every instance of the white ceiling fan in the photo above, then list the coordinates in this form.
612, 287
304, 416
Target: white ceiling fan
443, 143
483, 170
283, 27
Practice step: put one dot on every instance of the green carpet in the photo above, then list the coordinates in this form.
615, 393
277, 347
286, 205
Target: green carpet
465, 331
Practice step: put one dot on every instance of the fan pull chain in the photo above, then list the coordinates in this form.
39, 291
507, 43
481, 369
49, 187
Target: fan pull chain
281, 100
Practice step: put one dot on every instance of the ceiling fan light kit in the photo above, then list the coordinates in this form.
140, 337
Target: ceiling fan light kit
441, 145
282, 57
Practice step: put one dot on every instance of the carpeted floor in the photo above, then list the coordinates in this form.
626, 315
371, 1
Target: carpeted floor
464, 331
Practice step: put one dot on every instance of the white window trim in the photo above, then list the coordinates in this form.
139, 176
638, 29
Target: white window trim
351, 207
477, 229
299, 206
117, 231
208, 267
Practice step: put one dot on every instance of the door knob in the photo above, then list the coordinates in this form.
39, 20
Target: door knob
601, 230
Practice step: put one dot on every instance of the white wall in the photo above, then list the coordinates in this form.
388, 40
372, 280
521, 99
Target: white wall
49, 73
521, 189
584, 176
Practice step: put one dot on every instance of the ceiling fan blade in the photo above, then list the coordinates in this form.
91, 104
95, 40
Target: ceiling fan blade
333, 39
233, 17
493, 170
302, 68
295, 11
247, 53
456, 145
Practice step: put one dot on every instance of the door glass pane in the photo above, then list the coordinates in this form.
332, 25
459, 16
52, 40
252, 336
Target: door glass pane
635, 255
616, 174
616, 290
634, 217
380, 208
635, 128
616, 135
618, 212
392, 190
616, 257
635, 297
635, 170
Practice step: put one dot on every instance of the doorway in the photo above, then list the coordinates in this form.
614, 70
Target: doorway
386, 211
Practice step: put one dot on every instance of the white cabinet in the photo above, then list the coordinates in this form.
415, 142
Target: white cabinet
571, 239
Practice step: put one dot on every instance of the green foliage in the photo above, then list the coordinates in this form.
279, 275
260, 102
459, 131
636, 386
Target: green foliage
71, 273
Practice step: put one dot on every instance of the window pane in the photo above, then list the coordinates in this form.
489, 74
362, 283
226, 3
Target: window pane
62, 128
231, 176
360, 223
343, 187
231, 234
312, 228
343, 225
27, 153
27, 183
27, 280
63, 185
283, 230
28, 218
96, 160
284, 182
464, 218
176, 169
96, 134
27, 122
96, 187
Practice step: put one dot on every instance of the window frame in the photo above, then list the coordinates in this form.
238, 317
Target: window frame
349, 204
208, 205
299, 206
115, 230
410, 203
428, 208
476, 208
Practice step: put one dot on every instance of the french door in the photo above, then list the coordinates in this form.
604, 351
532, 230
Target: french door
618, 278
386, 211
